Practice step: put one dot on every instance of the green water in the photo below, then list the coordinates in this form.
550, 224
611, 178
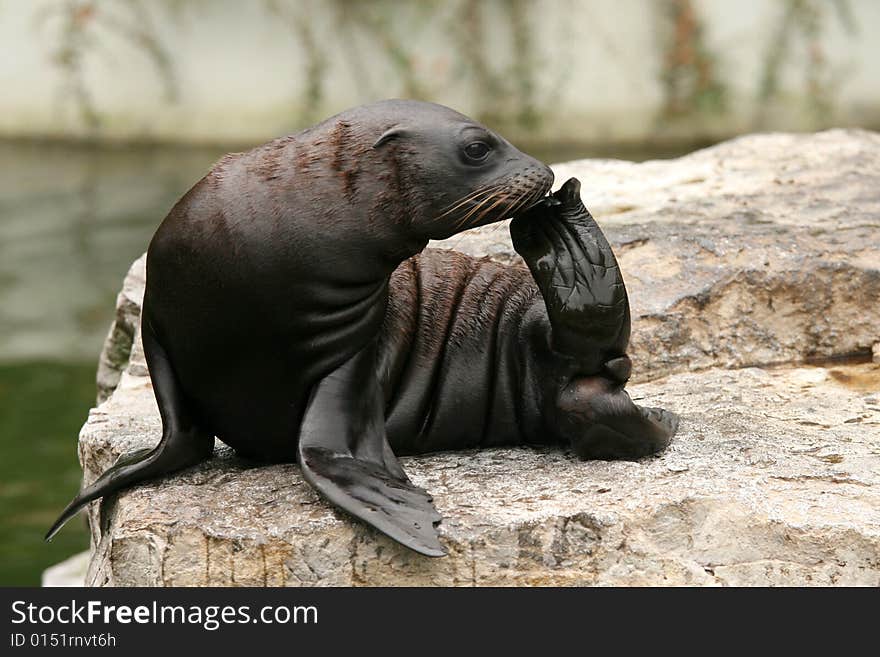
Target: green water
72, 219
43, 405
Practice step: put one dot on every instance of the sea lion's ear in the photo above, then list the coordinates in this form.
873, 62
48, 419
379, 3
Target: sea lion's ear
392, 133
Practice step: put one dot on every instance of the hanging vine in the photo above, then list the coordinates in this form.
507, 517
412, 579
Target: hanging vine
374, 20
491, 45
523, 66
315, 59
495, 92
803, 21
80, 24
73, 41
688, 76
468, 30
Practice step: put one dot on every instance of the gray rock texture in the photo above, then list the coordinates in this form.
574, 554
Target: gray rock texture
764, 249
116, 355
745, 262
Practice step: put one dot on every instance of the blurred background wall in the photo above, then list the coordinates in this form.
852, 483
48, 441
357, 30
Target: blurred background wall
554, 71
111, 109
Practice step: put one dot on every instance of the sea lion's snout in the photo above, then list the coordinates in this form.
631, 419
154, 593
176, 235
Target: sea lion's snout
569, 195
522, 182
543, 176
528, 230
529, 186
545, 206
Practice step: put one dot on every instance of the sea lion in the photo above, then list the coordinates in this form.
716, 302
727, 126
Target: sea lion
287, 312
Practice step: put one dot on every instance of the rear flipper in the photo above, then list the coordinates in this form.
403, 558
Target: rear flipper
344, 453
578, 276
183, 444
588, 311
600, 420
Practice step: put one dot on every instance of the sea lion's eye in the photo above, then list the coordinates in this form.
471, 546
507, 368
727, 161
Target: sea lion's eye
477, 151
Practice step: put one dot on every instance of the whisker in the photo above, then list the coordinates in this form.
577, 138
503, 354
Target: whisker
460, 225
504, 199
485, 211
464, 220
523, 200
517, 200
485, 203
470, 197
489, 210
510, 205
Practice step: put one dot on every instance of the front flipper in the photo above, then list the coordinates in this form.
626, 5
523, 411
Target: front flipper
344, 453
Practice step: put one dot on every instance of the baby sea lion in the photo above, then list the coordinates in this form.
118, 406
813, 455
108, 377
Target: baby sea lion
290, 312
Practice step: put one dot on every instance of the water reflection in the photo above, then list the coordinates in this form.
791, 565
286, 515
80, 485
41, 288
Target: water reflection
71, 221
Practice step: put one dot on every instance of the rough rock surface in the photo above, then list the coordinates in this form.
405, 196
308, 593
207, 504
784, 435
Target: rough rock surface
761, 250
116, 354
764, 249
773, 480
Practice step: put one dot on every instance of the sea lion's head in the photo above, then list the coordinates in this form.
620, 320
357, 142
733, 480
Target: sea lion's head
454, 172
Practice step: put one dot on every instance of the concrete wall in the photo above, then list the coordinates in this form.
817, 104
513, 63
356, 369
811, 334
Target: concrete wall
550, 70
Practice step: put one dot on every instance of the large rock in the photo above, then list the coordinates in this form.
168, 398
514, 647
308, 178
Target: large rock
772, 480
759, 251
764, 249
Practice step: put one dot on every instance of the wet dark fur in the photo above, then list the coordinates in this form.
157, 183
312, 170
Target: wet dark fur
458, 351
287, 313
